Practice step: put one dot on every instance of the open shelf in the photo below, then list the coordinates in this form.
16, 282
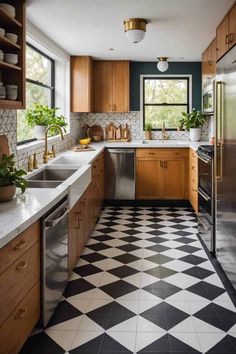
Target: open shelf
6, 43
4, 65
10, 104
7, 20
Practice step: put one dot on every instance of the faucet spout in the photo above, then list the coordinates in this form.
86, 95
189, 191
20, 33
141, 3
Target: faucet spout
46, 153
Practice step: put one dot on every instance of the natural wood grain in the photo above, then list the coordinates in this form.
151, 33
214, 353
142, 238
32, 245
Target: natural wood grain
193, 179
4, 150
221, 41
120, 86
232, 26
102, 86
18, 279
15, 330
81, 84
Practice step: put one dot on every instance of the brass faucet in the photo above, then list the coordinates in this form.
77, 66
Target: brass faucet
48, 154
164, 134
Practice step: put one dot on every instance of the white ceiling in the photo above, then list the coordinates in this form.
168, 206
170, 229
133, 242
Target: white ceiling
179, 29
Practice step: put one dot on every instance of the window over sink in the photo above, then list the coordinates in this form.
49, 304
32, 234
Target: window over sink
164, 98
40, 83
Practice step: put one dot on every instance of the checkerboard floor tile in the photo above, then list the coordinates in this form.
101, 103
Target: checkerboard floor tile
143, 284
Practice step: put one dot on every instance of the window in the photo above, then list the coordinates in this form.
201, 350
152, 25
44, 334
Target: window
40, 73
164, 99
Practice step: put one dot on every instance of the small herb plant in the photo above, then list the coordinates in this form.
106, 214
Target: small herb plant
9, 174
39, 114
148, 127
194, 119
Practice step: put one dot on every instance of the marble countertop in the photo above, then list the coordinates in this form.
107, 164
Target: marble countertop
18, 214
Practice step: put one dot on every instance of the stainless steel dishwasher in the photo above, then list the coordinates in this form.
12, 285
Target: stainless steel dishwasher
54, 258
120, 174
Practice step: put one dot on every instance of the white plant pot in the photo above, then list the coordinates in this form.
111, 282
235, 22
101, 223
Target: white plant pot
39, 131
195, 134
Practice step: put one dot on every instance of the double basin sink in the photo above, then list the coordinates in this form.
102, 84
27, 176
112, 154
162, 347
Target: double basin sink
54, 174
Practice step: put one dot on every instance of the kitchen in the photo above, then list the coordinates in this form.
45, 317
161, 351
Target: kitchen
120, 235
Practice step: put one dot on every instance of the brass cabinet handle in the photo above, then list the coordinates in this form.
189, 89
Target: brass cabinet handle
77, 220
226, 39
231, 37
114, 107
161, 164
151, 153
20, 245
20, 314
22, 265
193, 167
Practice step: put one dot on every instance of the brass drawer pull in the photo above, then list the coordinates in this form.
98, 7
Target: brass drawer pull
151, 153
193, 167
20, 314
22, 265
20, 245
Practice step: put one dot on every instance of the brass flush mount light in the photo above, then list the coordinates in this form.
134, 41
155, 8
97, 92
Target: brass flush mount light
162, 64
135, 29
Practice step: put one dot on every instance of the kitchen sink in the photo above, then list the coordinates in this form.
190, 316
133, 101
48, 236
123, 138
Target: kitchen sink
43, 184
52, 174
65, 160
166, 142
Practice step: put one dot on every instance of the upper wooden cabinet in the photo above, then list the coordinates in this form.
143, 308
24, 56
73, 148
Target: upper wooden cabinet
81, 84
209, 61
111, 86
13, 74
226, 33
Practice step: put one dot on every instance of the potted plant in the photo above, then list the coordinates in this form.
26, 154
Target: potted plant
193, 122
148, 131
10, 178
40, 117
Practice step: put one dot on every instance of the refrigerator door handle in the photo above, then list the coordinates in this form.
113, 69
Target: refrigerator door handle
219, 130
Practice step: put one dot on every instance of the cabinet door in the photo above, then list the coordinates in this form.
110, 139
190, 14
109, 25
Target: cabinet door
221, 38
120, 86
204, 66
149, 179
174, 179
232, 26
81, 84
212, 59
102, 86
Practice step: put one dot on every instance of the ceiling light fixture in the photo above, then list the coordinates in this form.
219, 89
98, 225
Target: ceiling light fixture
162, 64
135, 29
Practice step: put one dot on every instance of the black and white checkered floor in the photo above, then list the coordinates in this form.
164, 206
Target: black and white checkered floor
144, 284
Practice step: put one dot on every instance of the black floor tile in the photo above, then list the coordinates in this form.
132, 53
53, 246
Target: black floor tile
126, 258
159, 259
198, 272
93, 346
77, 286
87, 269
64, 312
118, 288
123, 271
162, 289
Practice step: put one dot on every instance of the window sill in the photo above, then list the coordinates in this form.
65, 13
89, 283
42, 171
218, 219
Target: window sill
38, 143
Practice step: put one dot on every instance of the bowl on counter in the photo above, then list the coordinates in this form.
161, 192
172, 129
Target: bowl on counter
85, 141
11, 37
96, 138
11, 58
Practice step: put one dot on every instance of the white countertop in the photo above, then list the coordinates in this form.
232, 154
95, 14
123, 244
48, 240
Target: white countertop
18, 214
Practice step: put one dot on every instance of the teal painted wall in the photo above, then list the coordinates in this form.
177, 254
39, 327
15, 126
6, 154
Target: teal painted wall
142, 68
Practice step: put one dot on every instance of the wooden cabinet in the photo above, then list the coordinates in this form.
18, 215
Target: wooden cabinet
13, 74
209, 62
162, 173
83, 216
149, 184
226, 33
111, 86
193, 179
20, 289
81, 84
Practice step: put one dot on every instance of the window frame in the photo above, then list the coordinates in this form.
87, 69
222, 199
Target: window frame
188, 78
41, 84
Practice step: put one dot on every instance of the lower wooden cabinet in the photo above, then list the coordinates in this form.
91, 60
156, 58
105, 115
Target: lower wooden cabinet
83, 216
162, 173
193, 179
19, 289
15, 330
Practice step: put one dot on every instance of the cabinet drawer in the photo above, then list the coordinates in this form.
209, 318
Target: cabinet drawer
161, 153
18, 246
15, 330
18, 279
193, 198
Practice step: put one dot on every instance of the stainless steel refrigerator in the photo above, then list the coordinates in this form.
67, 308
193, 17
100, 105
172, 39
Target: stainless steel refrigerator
225, 164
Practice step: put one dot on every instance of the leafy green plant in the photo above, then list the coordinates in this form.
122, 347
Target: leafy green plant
39, 114
9, 174
194, 119
148, 127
